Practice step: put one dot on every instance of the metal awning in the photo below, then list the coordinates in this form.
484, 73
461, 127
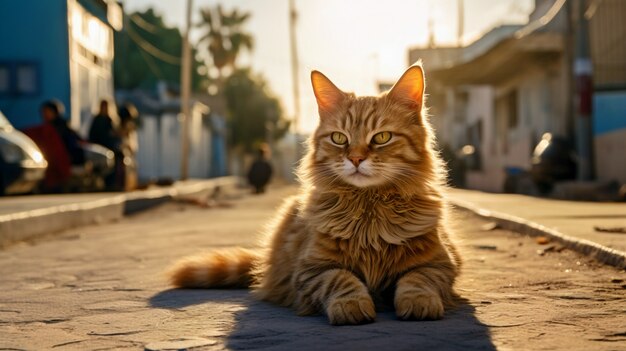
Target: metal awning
503, 60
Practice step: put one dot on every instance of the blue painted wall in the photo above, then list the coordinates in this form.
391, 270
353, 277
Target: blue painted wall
35, 31
609, 111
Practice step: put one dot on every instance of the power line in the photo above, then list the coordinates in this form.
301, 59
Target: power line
151, 49
542, 21
143, 24
151, 64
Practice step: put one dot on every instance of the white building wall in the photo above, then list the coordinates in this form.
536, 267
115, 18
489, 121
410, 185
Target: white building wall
541, 107
159, 151
480, 112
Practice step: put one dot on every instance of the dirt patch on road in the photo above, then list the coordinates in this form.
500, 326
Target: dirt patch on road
533, 294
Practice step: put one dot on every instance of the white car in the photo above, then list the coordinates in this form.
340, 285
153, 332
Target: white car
22, 165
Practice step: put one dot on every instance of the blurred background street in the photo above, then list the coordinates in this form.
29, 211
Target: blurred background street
526, 96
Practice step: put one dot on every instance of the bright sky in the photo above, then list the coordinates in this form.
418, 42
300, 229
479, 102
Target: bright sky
354, 42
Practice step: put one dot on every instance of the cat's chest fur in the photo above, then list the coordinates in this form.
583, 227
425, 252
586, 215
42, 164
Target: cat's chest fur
376, 235
370, 219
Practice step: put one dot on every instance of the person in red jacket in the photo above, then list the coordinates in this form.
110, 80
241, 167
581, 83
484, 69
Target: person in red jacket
59, 144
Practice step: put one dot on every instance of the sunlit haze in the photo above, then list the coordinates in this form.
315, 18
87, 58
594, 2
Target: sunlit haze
354, 42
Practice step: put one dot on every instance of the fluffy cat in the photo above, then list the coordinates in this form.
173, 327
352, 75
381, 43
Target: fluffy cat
368, 224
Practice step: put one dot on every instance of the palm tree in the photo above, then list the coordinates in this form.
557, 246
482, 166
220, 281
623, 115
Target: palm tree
225, 37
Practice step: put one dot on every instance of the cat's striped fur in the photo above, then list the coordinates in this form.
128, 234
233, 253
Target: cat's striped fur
368, 224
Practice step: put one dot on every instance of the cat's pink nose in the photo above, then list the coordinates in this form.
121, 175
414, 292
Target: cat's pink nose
356, 160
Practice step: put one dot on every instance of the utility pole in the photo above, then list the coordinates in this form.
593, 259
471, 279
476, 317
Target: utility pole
583, 72
431, 32
185, 92
461, 23
293, 16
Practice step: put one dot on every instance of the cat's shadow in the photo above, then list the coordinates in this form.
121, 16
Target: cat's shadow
179, 298
261, 325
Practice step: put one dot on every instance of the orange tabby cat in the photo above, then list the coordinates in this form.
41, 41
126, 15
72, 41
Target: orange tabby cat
369, 222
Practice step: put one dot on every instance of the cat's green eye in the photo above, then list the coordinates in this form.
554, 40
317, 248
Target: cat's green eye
338, 138
381, 138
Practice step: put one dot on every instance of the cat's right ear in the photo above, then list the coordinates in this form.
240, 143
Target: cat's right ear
409, 89
327, 94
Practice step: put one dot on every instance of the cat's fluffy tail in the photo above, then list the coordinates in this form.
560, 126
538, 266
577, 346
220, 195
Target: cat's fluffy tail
220, 269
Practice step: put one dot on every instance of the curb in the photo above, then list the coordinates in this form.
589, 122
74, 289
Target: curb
34, 223
599, 252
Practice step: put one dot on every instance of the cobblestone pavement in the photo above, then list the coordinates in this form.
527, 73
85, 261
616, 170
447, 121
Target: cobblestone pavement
101, 287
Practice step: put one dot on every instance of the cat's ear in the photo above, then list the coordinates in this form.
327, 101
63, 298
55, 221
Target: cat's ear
327, 94
409, 89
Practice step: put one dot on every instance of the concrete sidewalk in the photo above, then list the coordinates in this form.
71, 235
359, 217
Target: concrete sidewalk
26, 217
577, 225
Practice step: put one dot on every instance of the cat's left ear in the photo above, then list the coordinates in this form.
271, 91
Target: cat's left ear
409, 89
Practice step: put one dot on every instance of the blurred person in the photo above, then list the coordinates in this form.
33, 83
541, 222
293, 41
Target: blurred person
261, 170
60, 145
104, 132
52, 112
128, 144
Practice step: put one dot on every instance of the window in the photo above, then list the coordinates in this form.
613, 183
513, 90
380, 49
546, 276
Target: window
460, 111
511, 104
5, 80
474, 135
19, 78
26, 82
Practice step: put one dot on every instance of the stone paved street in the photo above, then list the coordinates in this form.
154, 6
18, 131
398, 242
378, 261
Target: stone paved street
101, 287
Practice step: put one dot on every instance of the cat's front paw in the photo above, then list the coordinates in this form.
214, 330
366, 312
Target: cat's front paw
351, 310
418, 304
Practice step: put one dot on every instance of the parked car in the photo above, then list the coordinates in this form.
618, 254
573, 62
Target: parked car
553, 160
99, 162
22, 165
